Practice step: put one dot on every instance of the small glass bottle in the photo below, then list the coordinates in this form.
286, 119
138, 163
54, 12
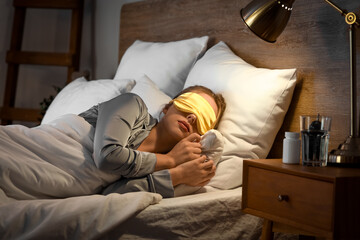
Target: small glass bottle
291, 148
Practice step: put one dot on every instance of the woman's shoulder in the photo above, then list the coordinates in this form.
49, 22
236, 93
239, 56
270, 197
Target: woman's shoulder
128, 99
128, 104
128, 95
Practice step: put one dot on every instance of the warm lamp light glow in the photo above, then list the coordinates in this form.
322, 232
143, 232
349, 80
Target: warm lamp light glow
267, 19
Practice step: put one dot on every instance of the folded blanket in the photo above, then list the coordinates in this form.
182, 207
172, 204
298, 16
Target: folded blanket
85, 217
50, 161
44, 174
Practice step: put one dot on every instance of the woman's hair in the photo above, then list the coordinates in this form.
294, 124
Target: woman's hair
219, 99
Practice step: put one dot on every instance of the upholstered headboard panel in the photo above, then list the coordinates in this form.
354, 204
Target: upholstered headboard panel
315, 42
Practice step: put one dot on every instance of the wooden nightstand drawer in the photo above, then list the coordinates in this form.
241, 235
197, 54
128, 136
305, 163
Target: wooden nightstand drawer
316, 201
293, 198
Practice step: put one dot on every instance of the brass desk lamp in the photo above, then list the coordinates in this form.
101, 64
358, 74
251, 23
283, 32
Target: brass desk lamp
267, 19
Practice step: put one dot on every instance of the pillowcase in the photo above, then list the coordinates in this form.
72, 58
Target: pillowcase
257, 100
154, 99
167, 64
80, 95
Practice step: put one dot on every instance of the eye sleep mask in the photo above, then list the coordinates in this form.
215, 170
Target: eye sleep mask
191, 102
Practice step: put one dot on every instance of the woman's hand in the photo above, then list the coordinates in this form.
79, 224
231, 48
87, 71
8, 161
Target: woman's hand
195, 173
186, 150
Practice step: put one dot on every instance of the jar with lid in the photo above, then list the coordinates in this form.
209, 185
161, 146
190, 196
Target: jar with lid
291, 148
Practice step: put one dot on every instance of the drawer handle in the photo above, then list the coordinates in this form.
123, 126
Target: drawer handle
283, 198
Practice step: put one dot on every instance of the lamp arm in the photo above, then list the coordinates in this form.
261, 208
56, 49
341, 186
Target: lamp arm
352, 21
354, 131
343, 12
349, 17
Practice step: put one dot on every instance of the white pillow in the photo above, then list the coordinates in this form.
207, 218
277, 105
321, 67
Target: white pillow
154, 99
80, 95
167, 64
257, 100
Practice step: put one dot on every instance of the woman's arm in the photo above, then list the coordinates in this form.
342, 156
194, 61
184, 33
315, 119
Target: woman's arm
157, 182
116, 121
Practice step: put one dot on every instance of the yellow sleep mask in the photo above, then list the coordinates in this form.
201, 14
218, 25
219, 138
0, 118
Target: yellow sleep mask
191, 102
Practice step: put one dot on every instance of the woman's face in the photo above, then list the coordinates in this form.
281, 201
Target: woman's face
180, 124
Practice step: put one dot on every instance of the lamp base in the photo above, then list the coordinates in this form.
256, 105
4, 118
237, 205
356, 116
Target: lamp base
347, 154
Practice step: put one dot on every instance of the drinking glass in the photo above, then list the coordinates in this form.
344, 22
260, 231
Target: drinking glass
315, 133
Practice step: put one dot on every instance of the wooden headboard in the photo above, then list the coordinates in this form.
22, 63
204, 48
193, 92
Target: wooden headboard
315, 42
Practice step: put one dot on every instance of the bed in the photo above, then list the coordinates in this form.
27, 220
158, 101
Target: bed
165, 46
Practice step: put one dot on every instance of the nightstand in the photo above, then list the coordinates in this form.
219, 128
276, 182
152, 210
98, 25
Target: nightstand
315, 201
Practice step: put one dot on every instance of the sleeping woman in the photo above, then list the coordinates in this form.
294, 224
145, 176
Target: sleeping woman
147, 155
116, 146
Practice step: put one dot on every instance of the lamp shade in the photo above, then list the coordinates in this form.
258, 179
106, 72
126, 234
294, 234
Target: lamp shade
267, 18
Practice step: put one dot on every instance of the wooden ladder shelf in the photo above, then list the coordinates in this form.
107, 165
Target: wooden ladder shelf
15, 56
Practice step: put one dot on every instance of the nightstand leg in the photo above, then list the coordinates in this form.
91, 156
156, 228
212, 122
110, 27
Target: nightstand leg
267, 233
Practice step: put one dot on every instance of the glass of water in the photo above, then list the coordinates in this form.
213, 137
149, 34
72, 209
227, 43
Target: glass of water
315, 131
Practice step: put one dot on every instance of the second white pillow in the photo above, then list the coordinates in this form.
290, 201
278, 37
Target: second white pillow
154, 99
81, 94
167, 64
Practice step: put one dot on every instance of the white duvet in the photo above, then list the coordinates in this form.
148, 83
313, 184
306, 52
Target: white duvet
48, 184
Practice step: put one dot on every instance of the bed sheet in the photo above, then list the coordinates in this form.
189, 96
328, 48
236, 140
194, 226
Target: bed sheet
211, 215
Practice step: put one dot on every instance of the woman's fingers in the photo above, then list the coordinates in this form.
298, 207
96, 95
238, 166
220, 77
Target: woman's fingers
203, 183
193, 140
208, 163
197, 172
205, 162
207, 166
194, 137
207, 174
186, 150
